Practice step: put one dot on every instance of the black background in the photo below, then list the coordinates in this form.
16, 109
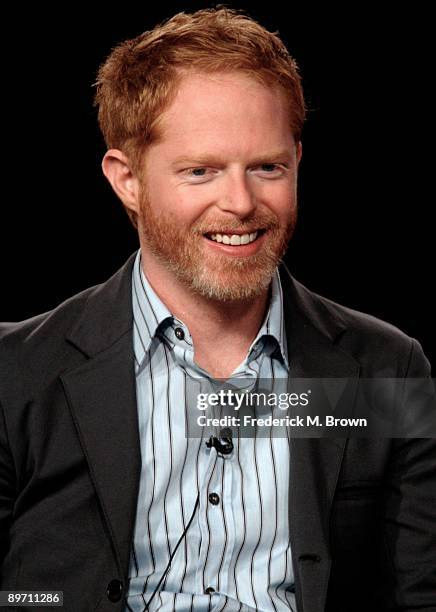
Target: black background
365, 235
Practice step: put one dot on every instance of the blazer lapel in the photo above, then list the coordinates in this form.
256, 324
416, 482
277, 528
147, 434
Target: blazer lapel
101, 393
315, 462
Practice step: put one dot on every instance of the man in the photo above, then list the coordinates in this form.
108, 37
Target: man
102, 495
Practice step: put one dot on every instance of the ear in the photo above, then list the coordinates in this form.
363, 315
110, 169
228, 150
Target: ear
117, 169
299, 151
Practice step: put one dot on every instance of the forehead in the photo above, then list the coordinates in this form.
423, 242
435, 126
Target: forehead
225, 107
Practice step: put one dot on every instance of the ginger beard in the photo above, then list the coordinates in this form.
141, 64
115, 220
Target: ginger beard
216, 276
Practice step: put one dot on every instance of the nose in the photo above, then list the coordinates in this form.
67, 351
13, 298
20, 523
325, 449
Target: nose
236, 195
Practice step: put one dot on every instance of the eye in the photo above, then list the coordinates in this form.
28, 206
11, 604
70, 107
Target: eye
198, 171
271, 170
197, 174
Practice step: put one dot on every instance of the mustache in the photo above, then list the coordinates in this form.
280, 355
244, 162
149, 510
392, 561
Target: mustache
264, 221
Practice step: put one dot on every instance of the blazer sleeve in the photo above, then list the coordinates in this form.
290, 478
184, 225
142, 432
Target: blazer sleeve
410, 510
7, 486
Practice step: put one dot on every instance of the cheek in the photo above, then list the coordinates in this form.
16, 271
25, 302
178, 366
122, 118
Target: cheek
164, 199
282, 201
275, 192
190, 204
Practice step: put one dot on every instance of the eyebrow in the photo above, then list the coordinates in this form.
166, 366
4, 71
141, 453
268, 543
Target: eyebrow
209, 159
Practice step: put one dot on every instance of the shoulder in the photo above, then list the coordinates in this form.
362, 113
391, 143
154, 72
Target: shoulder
34, 352
99, 304
355, 321
374, 343
50, 324
41, 347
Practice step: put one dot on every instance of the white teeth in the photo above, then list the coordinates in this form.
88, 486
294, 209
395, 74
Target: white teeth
234, 239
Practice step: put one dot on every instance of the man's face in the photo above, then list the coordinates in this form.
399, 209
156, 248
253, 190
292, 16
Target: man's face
218, 198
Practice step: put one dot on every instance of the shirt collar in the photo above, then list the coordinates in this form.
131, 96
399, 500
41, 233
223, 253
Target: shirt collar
272, 332
150, 314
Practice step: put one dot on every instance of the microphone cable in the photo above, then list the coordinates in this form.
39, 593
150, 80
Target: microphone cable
225, 448
168, 567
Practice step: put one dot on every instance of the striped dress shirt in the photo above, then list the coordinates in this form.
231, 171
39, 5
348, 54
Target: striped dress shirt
236, 553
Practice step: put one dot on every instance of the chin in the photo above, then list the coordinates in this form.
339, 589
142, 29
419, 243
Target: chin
233, 287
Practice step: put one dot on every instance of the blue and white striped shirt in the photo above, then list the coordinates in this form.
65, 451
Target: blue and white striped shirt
236, 554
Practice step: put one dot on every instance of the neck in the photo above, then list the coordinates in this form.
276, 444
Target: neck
222, 332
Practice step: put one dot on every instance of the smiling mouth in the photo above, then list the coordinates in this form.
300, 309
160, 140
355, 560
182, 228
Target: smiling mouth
234, 239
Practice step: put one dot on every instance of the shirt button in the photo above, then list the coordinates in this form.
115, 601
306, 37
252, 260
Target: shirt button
214, 498
114, 590
180, 334
209, 591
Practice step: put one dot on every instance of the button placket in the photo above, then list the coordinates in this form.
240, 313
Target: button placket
209, 481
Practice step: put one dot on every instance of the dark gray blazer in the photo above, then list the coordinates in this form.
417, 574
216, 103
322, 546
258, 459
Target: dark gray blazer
362, 512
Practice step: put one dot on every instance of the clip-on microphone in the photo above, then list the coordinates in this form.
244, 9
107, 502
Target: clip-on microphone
225, 447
